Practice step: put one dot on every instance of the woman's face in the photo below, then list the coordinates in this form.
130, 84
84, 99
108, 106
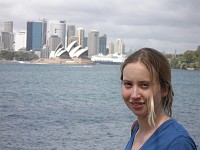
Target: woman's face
137, 89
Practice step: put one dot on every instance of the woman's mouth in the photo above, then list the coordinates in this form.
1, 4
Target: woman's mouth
137, 104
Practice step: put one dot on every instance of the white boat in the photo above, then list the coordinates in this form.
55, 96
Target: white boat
108, 59
23, 62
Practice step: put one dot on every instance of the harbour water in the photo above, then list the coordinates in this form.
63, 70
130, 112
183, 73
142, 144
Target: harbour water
73, 107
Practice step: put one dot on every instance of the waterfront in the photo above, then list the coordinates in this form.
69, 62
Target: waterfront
75, 107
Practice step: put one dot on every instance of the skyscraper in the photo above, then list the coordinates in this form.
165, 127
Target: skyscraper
7, 40
111, 47
56, 28
119, 47
54, 41
7, 36
20, 40
80, 36
34, 35
70, 33
102, 44
44, 31
8, 26
93, 42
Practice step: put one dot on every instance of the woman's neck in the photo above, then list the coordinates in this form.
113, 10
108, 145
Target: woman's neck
144, 126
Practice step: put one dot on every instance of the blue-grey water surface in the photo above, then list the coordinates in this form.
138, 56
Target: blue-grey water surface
73, 107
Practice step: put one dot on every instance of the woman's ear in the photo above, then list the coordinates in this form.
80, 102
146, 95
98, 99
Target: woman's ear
165, 90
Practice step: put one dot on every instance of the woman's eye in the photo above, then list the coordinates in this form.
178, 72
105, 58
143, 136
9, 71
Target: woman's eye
127, 84
145, 85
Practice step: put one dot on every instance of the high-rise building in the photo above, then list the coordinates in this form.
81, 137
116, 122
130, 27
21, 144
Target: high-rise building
1, 43
7, 36
54, 41
85, 41
119, 47
8, 26
93, 42
44, 31
34, 35
111, 47
20, 40
56, 28
80, 36
7, 40
72, 39
102, 45
70, 33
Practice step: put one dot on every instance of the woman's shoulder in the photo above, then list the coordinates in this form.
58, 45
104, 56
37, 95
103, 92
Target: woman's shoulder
178, 136
174, 126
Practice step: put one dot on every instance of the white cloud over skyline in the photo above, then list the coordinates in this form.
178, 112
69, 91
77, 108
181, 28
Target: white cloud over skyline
166, 25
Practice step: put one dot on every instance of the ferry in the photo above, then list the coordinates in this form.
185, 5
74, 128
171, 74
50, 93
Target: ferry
111, 59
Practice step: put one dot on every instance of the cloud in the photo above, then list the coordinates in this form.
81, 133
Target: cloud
164, 24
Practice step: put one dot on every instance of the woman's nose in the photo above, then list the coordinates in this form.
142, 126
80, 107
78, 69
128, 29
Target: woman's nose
135, 92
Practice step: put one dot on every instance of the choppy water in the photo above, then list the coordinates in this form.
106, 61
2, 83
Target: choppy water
72, 107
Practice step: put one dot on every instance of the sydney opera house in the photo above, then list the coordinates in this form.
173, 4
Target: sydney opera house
72, 54
71, 51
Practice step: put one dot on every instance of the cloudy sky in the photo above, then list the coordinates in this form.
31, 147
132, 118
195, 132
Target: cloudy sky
166, 25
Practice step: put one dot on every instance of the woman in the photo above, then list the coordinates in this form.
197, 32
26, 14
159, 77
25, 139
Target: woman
147, 92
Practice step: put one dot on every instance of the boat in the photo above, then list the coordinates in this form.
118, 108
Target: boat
112, 59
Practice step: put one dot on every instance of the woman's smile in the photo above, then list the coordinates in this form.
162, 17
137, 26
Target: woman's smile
137, 104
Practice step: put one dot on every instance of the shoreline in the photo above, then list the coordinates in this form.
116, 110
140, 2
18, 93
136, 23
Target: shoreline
51, 61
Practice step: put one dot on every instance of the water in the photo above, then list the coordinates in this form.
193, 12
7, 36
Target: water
72, 107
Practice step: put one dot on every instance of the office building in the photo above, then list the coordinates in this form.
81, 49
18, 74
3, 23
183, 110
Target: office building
7, 40
80, 37
54, 41
102, 45
70, 33
7, 36
56, 28
34, 35
93, 42
20, 40
44, 31
8, 26
111, 47
85, 41
119, 47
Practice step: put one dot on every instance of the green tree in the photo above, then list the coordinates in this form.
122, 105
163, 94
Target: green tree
173, 63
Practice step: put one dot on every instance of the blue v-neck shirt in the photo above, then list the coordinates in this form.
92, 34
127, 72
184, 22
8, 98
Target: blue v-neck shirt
169, 136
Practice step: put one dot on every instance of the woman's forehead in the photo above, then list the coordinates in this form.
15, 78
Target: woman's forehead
138, 69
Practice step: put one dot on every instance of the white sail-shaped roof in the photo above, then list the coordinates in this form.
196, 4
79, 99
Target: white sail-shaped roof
73, 51
77, 54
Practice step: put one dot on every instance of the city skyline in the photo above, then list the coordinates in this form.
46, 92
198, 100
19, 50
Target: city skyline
41, 32
164, 25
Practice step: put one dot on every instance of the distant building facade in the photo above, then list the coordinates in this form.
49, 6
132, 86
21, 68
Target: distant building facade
70, 34
20, 40
8, 26
85, 41
34, 35
93, 42
7, 40
57, 28
111, 47
80, 33
119, 47
103, 44
7, 36
54, 41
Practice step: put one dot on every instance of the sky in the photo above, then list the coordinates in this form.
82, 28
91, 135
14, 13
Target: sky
165, 25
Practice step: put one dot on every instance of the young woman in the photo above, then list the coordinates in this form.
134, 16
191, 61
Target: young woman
147, 92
